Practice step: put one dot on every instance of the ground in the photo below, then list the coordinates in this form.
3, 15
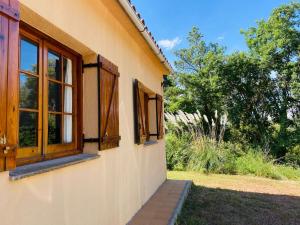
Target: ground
239, 200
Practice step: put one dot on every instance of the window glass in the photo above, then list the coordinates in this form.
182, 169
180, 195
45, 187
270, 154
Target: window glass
68, 129
68, 71
54, 129
28, 134
68, 100
54, 66
54, 101
29, 56
28, 91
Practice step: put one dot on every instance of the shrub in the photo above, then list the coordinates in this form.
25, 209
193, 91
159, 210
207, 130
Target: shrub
190, 146
258, 164
177, 151
205, 155
293, 156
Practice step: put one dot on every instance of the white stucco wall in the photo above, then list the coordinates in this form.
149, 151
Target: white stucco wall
111, 189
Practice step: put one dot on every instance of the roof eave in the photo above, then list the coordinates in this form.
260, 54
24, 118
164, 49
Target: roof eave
141, 26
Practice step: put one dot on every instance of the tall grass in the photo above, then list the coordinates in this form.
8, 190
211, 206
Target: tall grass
195, 142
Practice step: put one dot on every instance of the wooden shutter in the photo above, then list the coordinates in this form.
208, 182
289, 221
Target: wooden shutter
109, 105
9, 36
160, 116
140, 123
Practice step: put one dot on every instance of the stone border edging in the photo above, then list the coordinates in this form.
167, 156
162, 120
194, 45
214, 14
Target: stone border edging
182, 199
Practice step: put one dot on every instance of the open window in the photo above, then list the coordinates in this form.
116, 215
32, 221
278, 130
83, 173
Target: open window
148, 114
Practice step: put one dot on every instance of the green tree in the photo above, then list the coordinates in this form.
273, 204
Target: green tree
276, 43
249, 94
197, 84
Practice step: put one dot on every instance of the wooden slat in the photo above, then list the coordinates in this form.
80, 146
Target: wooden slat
109, 107
160, 117
141, 113
11, 10
9, 35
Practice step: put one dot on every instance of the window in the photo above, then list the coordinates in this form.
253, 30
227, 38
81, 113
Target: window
48, 97
148, 113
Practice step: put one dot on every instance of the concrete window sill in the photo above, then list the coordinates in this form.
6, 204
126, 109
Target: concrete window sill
148, 143
46, 166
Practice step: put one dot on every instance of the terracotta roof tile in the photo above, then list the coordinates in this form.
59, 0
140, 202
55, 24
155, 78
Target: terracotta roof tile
146, 29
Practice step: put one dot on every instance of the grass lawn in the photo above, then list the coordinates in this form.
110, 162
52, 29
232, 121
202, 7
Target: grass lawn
239, 200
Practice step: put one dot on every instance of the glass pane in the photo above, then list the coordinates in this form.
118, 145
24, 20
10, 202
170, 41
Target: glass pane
28, 132
68, 100
54, 102
54, 129
67, 129
68, 71
28, 92
29, 56
54, 65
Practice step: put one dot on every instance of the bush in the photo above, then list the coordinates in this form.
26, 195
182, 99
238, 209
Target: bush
177, 151
190, 147
258, 164
293, 156
205, 155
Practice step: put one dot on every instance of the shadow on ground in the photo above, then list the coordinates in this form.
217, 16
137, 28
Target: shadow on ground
213, 206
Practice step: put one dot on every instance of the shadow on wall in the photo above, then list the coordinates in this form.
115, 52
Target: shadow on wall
210, 206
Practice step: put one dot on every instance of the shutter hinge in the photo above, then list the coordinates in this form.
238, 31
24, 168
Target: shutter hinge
91, 65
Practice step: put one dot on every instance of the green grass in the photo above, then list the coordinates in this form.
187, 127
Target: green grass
239, 200
254, 163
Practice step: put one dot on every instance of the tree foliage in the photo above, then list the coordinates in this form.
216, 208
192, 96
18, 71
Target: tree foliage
196, 83
259, 89
276, 44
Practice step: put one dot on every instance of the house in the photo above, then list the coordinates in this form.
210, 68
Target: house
81, 119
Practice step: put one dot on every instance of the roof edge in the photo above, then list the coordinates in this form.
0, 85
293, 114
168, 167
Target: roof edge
140, 24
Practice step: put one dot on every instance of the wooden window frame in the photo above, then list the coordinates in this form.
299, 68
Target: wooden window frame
44, 151
142, 98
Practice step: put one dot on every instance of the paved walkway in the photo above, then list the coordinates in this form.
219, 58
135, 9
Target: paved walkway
164, 206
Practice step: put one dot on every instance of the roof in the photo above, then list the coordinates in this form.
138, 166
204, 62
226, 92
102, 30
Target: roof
139, 22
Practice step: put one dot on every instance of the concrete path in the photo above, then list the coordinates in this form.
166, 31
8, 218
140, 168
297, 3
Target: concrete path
164, 206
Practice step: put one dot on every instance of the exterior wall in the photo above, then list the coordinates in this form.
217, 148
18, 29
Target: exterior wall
111, 189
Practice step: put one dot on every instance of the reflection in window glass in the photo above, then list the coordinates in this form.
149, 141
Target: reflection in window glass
68, 100
28, 92
54, 101
68, 71
54, 65
54, 129
29, 56
67, 129
28, 134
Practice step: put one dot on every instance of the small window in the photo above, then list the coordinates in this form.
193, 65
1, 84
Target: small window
148, 113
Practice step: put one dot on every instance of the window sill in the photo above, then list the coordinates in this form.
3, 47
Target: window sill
147, 143
46, 166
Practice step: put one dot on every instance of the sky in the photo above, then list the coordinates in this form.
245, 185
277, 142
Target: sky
218, 20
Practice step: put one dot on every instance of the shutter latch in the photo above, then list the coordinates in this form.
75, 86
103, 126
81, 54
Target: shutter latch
3, 140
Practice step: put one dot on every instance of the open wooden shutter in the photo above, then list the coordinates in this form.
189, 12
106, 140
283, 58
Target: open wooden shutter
160, 116
140, 122
9, 35
109, 105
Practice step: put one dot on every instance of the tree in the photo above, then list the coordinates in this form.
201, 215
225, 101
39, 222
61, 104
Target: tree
276, 43
249, 89
197, 84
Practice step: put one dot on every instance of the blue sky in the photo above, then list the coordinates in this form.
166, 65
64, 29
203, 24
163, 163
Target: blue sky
219, 20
